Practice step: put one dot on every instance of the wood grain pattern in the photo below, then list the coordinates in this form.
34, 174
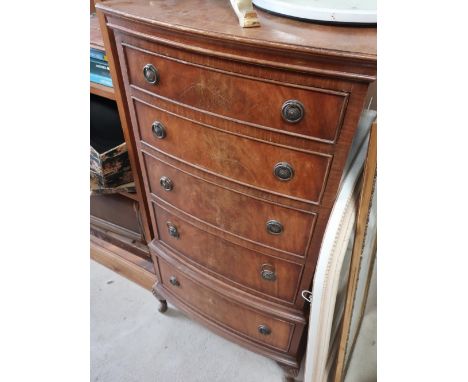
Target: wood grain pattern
113, 235
286, 57
234, 263
95, 35
265, 306
217, 308
230, 94
220, 95
231, 125
355, 102
220, 180
286, 358
102, 91
247, 161
123, 262
230, 211
225, 235
118, 85
117, 210
117, 226
279, 32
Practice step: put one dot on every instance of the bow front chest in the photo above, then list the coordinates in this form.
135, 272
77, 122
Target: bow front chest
241, 137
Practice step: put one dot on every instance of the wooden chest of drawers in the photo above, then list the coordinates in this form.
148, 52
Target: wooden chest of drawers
242, 137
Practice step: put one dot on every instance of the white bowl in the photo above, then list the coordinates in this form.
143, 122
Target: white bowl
339, 11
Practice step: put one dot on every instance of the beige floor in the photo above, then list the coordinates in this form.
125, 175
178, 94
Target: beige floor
132, 342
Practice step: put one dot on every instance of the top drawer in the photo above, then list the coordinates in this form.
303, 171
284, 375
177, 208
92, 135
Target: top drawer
292, 109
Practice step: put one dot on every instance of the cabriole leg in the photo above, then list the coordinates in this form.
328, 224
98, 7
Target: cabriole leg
162, 301
290, 372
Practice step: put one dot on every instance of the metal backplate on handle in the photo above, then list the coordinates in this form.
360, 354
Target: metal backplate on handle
151, 74
292, 111
283, 171
159, 130
172, 229
268, 272
166, 183
173, 280
274, 227
265, 330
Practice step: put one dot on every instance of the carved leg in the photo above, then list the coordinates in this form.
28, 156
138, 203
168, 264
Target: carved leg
163, 306
290, 372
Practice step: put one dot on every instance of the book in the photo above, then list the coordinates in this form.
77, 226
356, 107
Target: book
98, 54
100, 72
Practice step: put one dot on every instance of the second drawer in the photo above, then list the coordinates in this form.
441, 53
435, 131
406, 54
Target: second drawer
247, 160
265, 274
260, 222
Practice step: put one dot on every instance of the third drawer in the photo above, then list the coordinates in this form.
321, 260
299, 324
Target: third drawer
231, 212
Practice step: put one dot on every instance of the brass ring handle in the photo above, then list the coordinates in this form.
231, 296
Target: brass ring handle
268, 272
173, 280
283, 171
166, 183
265, 330
172, 229
292, 111
159, 130
274, 227
151, 74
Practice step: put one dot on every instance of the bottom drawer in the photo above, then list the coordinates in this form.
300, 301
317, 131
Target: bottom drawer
215, 307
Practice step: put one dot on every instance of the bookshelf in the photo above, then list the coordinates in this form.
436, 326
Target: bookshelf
117, 227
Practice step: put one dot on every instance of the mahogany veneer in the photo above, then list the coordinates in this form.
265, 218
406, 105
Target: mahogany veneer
250, 160
242, 136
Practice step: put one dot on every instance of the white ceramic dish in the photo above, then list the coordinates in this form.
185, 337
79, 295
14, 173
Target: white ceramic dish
338, 11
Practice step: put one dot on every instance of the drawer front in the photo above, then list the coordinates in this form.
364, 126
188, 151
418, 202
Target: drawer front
230, 211
245, 160
265, 274
224, 311
287, 108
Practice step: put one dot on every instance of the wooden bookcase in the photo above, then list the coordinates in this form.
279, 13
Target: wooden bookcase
119, 230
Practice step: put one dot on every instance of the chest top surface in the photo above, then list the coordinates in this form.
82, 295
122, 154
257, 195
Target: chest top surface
216, 19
